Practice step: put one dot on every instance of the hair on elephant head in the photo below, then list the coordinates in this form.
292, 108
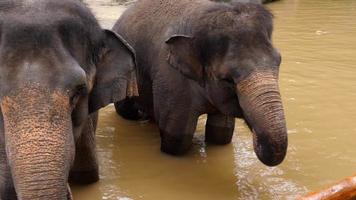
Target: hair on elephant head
57, 68
228, 48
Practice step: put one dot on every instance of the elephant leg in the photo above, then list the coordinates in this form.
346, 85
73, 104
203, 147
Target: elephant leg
7, 189
85, 169
219, 129
177, 130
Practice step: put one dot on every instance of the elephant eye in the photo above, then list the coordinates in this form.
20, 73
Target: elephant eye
228, 80
80, 90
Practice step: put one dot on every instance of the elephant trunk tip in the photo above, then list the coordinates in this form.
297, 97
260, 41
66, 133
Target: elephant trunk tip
270, 152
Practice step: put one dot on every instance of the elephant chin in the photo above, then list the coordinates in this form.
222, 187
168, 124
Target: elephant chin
260, 100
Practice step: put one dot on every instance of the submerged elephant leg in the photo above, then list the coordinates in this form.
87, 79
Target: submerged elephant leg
85, 169
177, 131
219, 129
175, 139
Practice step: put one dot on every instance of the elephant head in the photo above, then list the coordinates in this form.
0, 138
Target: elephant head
228, 51
56, 66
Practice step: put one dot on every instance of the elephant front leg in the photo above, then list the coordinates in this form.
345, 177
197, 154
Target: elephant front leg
219, 129
7, 190
177, 133
85, 169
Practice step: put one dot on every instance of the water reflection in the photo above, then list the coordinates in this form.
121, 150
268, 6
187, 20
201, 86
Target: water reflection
318, 44
256, 181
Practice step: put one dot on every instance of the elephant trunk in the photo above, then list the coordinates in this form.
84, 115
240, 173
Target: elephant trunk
260, 100
39, 142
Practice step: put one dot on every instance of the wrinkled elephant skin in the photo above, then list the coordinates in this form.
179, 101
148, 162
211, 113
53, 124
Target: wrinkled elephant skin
203, 57
57, 68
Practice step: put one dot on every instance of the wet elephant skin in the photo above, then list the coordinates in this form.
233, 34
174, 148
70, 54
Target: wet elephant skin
197, 57
57, 68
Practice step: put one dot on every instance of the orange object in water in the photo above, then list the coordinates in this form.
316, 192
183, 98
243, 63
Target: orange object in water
345, 190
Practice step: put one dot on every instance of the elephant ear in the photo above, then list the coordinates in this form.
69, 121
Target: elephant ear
115, 73
184, 56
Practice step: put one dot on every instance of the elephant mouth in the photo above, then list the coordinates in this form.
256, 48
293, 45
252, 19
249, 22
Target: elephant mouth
69, 193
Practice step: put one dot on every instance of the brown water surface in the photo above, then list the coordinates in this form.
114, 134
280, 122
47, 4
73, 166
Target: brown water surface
317, 40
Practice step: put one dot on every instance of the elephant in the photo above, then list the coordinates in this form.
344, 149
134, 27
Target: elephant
58, 67
247, 1
203, 57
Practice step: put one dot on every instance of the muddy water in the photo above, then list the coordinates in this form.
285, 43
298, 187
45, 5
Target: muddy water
318, 81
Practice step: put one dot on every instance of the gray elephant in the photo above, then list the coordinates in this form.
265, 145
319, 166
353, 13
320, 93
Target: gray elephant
246, 1
57, 68
197, 57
